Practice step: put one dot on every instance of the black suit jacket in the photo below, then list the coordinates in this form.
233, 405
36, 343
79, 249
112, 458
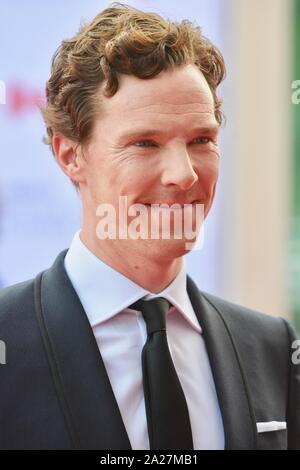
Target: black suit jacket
55, 392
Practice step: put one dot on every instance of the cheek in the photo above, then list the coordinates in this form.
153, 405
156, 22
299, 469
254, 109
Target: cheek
100, 172
208, 175
137, 176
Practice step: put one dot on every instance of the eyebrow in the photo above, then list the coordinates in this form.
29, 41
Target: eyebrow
145, 132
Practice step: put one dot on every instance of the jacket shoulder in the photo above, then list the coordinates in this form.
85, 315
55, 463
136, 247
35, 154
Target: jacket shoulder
251, 322
16, 298
254, 326
21, 295
240, 312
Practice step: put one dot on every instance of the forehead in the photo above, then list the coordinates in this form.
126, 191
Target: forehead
182, 94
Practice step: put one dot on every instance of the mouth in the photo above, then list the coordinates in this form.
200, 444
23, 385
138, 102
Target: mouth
178, 205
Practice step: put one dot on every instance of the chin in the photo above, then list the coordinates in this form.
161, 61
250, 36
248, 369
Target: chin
168, 248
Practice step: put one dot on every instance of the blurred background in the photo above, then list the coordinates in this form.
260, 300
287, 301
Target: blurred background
251, 251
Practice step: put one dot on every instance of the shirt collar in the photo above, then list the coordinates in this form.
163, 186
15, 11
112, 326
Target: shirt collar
104, 292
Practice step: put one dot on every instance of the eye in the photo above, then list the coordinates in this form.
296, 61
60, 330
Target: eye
144, 142
150, 143
204, 140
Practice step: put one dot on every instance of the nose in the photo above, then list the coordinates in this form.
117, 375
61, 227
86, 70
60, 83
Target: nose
178, 170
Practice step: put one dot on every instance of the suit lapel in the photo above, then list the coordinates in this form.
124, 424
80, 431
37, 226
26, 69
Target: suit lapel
238, 417
81, 380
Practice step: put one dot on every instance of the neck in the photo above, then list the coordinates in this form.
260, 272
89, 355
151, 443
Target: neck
154, 275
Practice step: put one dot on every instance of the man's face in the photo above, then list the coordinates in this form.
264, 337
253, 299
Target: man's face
155, 142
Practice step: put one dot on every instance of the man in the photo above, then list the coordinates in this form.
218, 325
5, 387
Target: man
132, 112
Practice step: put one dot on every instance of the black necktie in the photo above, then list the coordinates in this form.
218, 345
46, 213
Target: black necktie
166, 408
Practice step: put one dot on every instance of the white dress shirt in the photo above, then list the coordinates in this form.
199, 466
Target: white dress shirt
121, 334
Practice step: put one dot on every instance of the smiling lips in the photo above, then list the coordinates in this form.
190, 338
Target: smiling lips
170, 204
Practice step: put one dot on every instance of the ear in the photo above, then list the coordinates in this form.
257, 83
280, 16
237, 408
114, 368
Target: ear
67, 154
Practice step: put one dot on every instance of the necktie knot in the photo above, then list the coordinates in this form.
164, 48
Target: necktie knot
154, 312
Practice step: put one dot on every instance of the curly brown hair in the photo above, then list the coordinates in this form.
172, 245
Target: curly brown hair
126, 40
